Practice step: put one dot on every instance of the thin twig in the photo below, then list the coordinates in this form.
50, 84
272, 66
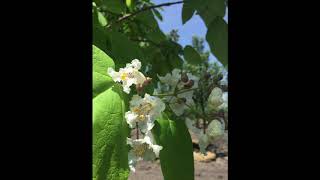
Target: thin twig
137, 129
174, 94
142, 10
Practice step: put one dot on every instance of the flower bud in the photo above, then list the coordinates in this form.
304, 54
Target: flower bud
184, 77
147, 82
189, 84
139, 88
207, 76
220, 77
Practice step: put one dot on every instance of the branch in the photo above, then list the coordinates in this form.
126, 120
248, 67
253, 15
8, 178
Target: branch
142, 10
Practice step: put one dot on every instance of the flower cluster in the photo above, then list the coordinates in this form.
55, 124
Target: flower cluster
129, 75
218, 100
180, 91
214, 132
180, 85
142, 149
143, 112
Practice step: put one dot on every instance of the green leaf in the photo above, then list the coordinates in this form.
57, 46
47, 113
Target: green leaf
101, 62
217, 37
147, 19
100, 38
110, 151
209, 9
176, 157
123, 50
175, 61
156, 36
191, 55
114, 6
160, 65
157, 14
129, 4
102, 19
187, 12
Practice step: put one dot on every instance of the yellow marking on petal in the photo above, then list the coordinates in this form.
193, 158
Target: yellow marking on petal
123, 76
136, 110
141, 117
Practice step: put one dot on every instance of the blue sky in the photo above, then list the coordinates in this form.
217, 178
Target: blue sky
172, 20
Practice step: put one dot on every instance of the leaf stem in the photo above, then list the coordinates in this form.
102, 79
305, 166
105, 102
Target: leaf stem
174, 94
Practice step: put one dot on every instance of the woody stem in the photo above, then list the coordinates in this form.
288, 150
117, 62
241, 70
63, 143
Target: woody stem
137, 129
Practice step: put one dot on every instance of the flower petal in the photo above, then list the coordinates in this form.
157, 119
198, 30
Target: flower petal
131, 118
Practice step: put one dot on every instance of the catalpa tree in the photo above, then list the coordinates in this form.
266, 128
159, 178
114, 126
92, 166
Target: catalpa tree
144, 81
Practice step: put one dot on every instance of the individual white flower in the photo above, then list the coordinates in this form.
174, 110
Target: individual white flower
129, 75
172, 78
224, 105
215, 130
213, 133
144, 111
203, 143
215, 98
177, 106
190, 125
181, 102
142, 149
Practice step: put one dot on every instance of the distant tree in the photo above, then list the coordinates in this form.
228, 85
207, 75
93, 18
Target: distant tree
198, 44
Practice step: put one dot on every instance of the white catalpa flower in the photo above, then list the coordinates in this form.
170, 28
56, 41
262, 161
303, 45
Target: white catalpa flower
224, 105
181, 102
129, 75
171, 79
214, 132
203, 142
144, 111
178, 103
190, 125
215, 98
142, 149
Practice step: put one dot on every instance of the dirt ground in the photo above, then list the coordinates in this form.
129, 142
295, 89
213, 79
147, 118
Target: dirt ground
213, 170
213, 167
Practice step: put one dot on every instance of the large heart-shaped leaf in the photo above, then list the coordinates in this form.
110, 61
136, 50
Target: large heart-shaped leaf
217, 37
101, 62
209, 9
176, 157
187, 12
110, 151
